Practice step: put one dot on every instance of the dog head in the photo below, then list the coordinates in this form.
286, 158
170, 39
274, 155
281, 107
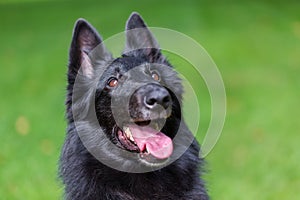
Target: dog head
136, 98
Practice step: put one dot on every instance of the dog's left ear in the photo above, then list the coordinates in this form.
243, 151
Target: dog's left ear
140, 41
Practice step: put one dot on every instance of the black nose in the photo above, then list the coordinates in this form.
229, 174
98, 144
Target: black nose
157, 96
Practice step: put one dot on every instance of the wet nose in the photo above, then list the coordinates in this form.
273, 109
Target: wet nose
158, 96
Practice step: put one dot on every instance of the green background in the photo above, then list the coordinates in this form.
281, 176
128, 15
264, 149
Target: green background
255, 44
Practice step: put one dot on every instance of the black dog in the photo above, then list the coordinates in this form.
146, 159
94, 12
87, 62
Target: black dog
126, 139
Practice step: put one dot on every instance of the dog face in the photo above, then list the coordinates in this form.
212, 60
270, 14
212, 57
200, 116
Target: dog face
137, 96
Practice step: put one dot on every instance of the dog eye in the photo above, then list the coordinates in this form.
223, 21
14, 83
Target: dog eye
155, 76
112, 82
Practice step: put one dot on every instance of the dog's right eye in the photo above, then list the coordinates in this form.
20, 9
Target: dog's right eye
112, 82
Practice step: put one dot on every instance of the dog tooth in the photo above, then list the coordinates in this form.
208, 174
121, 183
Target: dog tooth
131, 138
128, 133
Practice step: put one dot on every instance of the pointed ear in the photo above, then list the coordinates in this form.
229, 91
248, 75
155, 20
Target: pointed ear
140, 41
83, 50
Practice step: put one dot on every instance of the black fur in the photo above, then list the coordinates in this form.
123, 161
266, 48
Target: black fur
84, 176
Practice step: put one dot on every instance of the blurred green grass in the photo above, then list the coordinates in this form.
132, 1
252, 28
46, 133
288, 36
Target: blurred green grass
256, 46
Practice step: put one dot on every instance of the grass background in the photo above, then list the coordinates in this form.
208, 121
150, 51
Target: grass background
255, 44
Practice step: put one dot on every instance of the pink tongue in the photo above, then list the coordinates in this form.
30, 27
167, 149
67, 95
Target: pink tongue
157, 144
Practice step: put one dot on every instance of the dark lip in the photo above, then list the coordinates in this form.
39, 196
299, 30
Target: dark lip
150, 115
143, 123
147, 120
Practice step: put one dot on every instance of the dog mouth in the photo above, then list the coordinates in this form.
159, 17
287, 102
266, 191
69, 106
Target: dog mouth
145, 138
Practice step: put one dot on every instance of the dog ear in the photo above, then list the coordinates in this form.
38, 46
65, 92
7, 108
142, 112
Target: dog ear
140, 41
83, 51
